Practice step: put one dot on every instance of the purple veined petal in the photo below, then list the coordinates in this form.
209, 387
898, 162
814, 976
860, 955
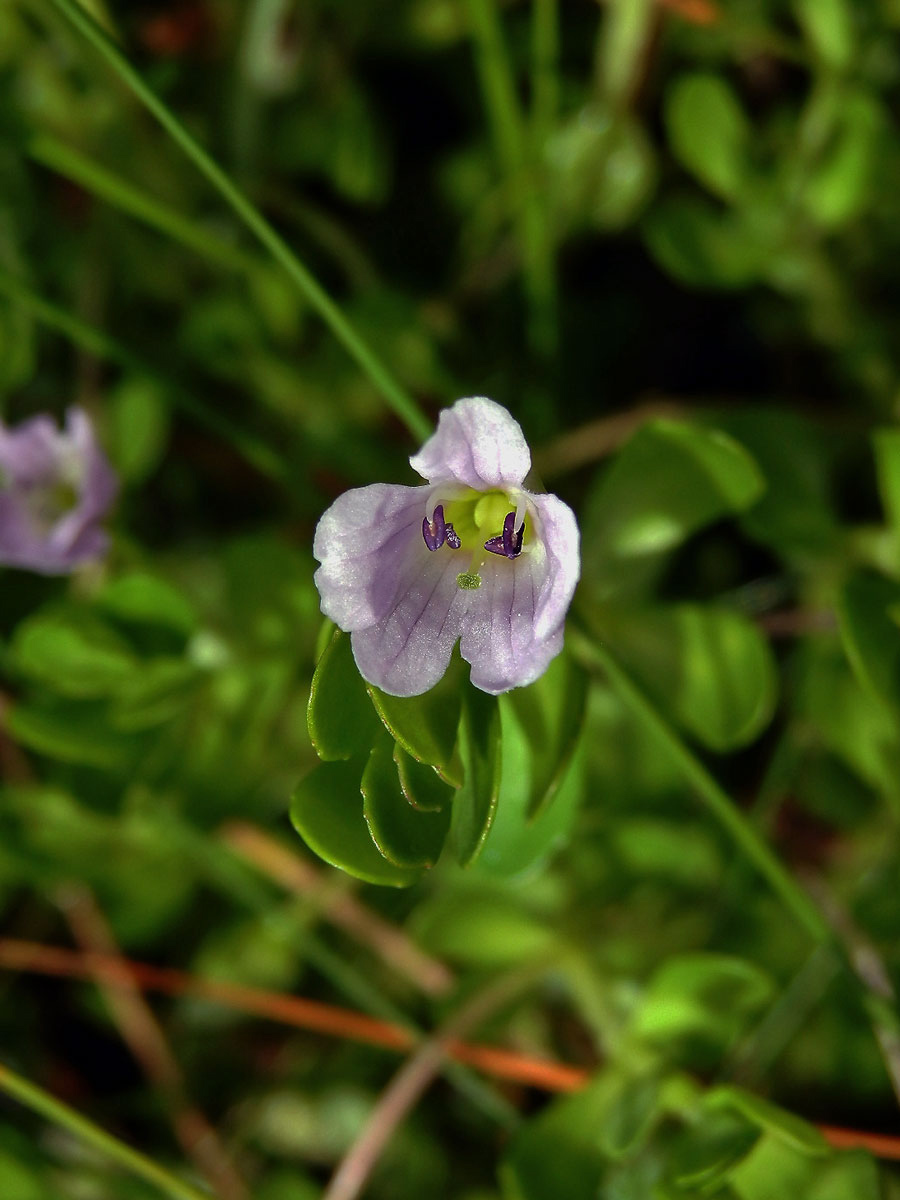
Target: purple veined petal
362, 542
555, 529
477, 443
514, 623
409, 650
499, 638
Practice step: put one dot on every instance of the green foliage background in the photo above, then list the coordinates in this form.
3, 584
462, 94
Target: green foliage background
665, 236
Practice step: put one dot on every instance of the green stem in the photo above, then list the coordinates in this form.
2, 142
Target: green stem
114, 190
96, 341
720, 805
513, 151
398, 399
80, 1127
544, 64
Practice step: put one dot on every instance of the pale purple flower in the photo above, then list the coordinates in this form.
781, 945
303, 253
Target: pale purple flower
470, 555
55, 487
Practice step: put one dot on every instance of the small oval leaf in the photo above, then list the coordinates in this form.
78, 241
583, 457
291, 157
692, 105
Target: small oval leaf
339, 717
327, 812
406, 837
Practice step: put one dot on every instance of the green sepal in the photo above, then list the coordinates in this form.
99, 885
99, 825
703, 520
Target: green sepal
421, 785
327, 812
405, 836
425, 726
480, 749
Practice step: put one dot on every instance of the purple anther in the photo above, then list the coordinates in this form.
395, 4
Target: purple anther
434, 531
452, 537
509, 542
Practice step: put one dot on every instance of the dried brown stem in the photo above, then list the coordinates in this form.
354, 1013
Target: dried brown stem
598, 439
327, 1019
342, 909
146, 1040
410, 1082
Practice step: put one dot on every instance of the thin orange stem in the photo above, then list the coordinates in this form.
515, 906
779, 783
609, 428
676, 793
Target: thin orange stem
546, 1074
342, 909
698, 12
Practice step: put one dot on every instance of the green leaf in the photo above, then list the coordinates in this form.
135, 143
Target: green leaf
870, 635
702, 246
425, 726
21, 1180
76, 734
72, 656
705, 997
156, 693
405, 836
558, 1154
339, 717
886, 443
848, 716
602, 168
421, 785
631, 1117
705, 1155
483, 929
517, 842
327, 812
795, 514
849, 1176
671, 479
829, 27
550, 714
676, 852
710, 669
144, 599
139, 427
709, 132
839, 187
480, 747
784, 1126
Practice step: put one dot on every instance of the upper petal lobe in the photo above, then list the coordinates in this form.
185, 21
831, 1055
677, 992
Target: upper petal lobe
477, 443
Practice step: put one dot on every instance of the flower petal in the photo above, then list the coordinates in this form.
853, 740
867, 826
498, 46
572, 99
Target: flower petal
408, 651
362, 542
30, 452
36, 460
477, 443
498, 634
556, 528
514, 623
74, 536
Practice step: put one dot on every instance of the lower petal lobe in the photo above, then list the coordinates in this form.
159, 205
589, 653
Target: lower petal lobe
408, 651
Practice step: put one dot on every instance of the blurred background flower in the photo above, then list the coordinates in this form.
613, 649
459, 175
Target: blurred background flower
56, 486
